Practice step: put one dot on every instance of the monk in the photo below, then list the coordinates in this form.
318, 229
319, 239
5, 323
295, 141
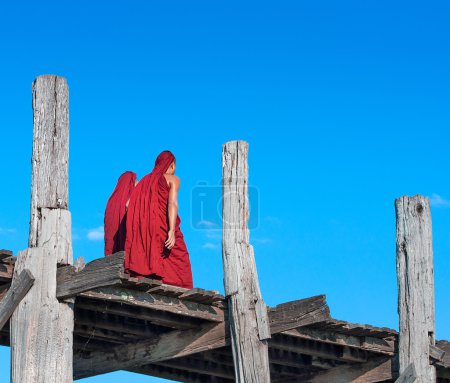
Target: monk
154, 245
115, 213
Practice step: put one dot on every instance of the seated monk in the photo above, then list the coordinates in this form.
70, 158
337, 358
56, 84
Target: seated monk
115, 213
154, 245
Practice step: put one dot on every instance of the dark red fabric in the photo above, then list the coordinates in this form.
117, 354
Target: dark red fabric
147, 227
115, 214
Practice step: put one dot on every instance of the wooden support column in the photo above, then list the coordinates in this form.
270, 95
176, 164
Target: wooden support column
415, 286
41, 326
249, 329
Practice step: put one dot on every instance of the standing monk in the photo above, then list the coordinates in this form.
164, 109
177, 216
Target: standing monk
115, 213
154, 245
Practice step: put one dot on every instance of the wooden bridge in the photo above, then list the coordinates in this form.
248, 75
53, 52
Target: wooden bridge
141, 325
68, 320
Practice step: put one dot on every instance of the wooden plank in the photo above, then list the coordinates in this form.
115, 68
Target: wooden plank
201, 295
298, 313
156, 302
19, 288
247, 312
444, 346
143, 284
41, 326
173, 291
101, 272
416, 285
377, 345
319, 349
408, 376
5, 254
436, 354
159, 318
355, 329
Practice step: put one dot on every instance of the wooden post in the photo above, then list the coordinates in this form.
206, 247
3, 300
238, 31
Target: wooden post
249, 328
41, 326
415, 286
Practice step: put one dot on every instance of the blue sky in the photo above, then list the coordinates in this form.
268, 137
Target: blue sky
345, 106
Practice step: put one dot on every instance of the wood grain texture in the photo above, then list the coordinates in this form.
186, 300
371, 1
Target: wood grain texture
15, 294
41, 327
444, 346
380, 346
156, 302
415, 286
298, 313
436, 354
249, 326
101, 272
50, 149
55, 231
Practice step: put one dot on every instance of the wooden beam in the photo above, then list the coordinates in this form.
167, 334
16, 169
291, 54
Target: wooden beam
444, 346
436, 354
177, 343
159, 318
415, 286
381, 346
115, 323
377, 370
298, 313
319, 349
19, 288
156, 302
5, 254
408, 376
166, 346
276, 357
106, 271
216, 368
178, 375
201, 366
247, 312
41, 326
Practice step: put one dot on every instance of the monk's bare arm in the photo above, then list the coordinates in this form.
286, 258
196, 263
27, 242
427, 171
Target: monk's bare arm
172, 209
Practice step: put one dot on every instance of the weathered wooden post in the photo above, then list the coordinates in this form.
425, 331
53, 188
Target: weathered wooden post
415, 287
247, 312
41, 326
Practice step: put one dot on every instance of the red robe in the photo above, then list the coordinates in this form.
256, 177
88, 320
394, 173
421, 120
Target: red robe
115, 214
147, 228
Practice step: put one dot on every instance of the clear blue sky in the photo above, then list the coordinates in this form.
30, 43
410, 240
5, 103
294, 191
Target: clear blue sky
345, 106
